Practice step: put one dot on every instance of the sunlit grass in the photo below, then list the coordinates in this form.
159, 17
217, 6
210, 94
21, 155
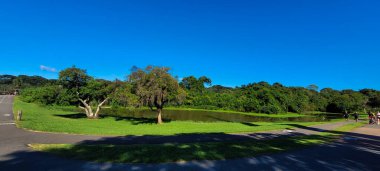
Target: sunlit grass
57, 119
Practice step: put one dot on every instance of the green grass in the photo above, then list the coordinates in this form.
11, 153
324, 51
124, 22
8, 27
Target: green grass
186, 152
51, 119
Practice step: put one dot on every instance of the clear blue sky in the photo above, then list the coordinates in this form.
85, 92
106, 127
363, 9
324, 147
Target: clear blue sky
331, 43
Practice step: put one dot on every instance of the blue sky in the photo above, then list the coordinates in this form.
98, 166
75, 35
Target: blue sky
331, 43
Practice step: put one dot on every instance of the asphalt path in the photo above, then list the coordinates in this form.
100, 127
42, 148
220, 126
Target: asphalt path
359, 150
6, 113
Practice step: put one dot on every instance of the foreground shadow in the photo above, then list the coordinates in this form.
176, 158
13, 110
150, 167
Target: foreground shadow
355, 152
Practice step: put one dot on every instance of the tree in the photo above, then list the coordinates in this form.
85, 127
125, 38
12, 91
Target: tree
7, 79
196, 85
95, 93
17, 82
205, 80
123, 95
88, 90
155, 87
73, 78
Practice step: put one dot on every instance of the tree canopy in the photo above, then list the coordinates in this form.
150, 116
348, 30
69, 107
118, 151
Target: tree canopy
155, 87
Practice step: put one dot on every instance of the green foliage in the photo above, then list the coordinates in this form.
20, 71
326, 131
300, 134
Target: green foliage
193, 84
95, 90
56, 119
9, 83
73, 78
155, 86
265, 98
347, 100
44, 95
123, 96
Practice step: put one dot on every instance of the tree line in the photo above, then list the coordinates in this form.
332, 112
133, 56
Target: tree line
155, 87
9, 83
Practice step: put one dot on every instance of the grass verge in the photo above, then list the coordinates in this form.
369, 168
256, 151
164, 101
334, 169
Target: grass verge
163, 153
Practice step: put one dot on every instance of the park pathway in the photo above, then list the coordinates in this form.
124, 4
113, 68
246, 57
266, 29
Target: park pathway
15, 155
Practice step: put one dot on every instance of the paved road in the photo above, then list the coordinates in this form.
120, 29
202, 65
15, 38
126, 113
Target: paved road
358, 151
6, 113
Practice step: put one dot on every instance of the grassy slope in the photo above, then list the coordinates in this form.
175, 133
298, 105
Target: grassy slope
186, 152
45, 119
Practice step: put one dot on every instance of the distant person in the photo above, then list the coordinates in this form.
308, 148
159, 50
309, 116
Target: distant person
370, 117
378, 118
373, 118
346, 116
356, 116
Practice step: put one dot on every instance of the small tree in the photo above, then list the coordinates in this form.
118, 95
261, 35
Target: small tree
95, 93
74, 78
155, 87
90, 92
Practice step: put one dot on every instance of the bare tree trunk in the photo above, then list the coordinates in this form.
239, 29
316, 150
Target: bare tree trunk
96, 115
89, 112
87, 108
159, 116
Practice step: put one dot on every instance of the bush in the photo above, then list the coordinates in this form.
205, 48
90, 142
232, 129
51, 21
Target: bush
46, 95
270, 109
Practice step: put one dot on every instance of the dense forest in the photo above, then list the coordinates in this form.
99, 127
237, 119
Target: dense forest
260, 97
10, 84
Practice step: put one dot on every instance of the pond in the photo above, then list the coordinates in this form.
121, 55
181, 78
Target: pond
210, 116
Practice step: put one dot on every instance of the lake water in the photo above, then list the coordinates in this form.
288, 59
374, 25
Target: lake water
208, 116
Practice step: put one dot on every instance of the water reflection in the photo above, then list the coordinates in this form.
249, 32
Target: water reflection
208, 116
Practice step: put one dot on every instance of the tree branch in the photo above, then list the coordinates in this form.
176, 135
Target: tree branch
104, 101
84, 102
85, 109
99, 107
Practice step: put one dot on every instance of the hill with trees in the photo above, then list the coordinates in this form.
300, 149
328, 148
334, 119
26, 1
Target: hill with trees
154, 87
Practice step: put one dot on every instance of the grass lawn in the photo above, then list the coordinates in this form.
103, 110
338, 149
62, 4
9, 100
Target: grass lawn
51, 119
187, 152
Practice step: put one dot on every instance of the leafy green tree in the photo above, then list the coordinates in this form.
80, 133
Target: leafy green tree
46, 95
220, 89
123, 95
17, 82
373, 97
90, 92
155, 86
73, 78
32, 81
195, 85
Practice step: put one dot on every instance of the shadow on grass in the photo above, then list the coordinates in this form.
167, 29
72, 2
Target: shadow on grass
249, 124
138, 121
144, 149
72, 116
133, 120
